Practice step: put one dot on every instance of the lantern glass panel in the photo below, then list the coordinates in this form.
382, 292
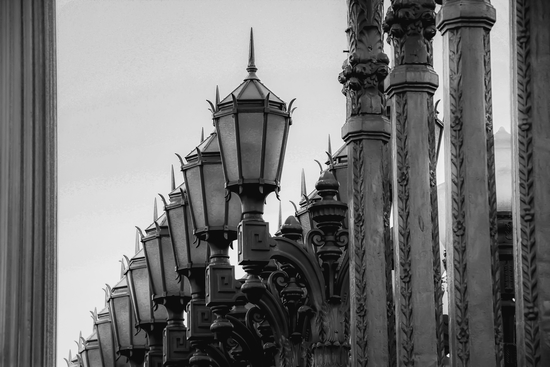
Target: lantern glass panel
215, 194
228, 143
140, 281
169, 267
154, 264
234, 210
94, 357
105, 337
275, 143
120, 310
195, 194
251, 132
179, 234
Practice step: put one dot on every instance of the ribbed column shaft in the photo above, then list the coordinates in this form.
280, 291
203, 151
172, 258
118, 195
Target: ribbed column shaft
27, 183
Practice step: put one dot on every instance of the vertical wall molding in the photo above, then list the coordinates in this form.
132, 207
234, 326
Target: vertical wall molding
28, 202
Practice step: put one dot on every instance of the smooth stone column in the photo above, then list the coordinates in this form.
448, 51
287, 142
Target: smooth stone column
410, 86
530, 22
475, 320
367, 133
28, 209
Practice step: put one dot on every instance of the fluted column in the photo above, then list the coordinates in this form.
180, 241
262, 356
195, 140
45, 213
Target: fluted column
27, 183
474, 305
367, 133
531, 181
410, 86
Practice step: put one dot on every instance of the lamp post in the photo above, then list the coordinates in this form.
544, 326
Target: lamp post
252, 125
104, 330
191, 257
167, 288
130, 342
215, 214
149, 318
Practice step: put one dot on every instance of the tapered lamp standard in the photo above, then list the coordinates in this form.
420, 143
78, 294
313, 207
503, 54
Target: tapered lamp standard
104, 330
252, 127
192, 256
167, 289
149, 318
215, 214
130, 341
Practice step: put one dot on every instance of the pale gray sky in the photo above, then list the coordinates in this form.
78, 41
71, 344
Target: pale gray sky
133, 77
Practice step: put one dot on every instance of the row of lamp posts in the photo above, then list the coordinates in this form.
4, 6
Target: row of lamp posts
183, 263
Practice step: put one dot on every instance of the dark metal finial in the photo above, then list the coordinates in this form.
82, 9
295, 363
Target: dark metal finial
251, 68
280, 215
173, 180
329, 146
138, 240
155, 211
303, 182
217, 96
202, 134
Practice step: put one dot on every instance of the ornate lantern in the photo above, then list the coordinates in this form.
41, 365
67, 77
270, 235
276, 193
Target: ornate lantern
252, 125
191, 255
90, 352
149, 318
167, 288
129, 340
215, 215
104, 331
214, 211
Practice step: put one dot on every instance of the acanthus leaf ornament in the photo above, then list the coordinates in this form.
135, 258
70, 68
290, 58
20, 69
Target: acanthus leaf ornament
411, 23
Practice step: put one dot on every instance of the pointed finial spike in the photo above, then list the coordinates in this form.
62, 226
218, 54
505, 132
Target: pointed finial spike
303, 190
251, 68
202, 134
329, 146
155, 211
280, 215
122, 269
138, 240
217, 96
173, 180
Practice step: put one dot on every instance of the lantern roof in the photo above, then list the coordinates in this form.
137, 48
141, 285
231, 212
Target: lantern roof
207, 147
251, 88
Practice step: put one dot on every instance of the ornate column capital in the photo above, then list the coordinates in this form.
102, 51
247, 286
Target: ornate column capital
466, 13
364, 71
411, 27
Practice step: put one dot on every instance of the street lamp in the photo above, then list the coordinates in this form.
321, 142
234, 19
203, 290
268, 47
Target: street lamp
192, 256
130, 341
167, 288
215, 214
149, 318
90, 352
252, 125
104, 330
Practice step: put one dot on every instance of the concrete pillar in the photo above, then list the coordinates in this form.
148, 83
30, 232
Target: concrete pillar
367, 133
530, 23
410, 86
472, 252
27, 183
